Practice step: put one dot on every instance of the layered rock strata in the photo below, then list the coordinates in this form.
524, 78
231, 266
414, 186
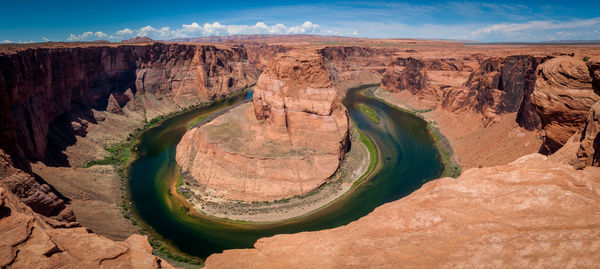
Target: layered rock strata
563, 97
530, 213
27, 241
353, 65
39, 197
488, 86
39, 86
553, 94
288, 142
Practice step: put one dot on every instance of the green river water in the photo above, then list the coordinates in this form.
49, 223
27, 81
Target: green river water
406, 147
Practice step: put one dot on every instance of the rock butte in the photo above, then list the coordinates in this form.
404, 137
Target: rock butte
288, 142
61, 104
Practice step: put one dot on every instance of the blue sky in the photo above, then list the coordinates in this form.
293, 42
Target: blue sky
60, 20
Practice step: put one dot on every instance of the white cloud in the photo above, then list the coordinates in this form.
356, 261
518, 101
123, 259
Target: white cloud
535, 28
45, 39
124, 32
217, 29
6, 42
86, 36
100, 35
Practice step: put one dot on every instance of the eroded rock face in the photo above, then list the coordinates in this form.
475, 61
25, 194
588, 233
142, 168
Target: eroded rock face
288, 142
37, 86
594, 66
411, 78
26, 241
352, 65
587, 153
40, 197
488, 86
531, 213
563, 97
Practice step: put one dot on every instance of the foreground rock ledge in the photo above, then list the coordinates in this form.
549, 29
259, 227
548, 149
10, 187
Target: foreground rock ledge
288, 142
531, 213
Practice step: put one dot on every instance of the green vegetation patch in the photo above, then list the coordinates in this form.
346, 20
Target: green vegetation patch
369, 112
196, 121
373, 153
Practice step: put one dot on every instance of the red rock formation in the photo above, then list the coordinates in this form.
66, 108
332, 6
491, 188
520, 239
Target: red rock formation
588, 153
498, 85
27, 241
259, 55
583, 148
39, 85
563, 97
289, 142
594, 66
411, 76
40, 197
531, 213
353, 65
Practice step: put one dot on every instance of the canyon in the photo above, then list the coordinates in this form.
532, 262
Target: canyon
62, 106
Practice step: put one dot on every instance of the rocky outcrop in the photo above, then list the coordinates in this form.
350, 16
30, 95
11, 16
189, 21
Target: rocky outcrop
260, 55
353, 65
498, 85
39, 196
37, 86
288, 142
583, 148
27, 241
411, 77
531, 213
588, 153
594, 67
563, 97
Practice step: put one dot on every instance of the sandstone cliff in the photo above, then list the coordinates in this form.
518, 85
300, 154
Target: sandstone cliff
531, 213
27, 241
39, 197
563, 97
288, 142
38, 86
485, 85
353, 65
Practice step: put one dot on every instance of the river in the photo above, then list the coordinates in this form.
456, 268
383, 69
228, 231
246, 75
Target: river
407, 149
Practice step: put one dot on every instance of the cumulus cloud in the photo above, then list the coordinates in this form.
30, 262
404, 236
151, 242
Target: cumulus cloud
6, 41
87, 36
208, 29
45, 39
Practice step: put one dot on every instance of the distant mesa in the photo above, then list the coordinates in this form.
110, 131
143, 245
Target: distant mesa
137, 39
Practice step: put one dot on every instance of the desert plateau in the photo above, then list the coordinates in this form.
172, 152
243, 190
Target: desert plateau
383, 135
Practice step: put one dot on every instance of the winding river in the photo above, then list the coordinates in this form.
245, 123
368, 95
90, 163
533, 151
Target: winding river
406, 148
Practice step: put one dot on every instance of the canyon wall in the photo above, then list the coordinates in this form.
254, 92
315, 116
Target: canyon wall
563, 97
63, 106
288, 142
530, 213
37, 86
550, 93
484, 85
352, 65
